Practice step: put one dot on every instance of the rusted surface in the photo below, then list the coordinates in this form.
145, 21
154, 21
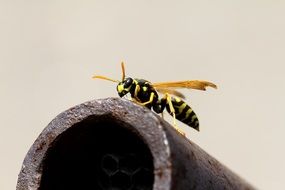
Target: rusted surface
83, 139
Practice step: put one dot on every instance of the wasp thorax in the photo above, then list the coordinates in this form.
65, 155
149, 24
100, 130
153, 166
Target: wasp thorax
125, 86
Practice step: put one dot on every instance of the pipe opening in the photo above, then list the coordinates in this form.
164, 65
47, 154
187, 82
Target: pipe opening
98, 154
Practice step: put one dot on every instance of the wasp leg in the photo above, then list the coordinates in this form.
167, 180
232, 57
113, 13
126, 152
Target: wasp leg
137, 89
147, 102
172, 112
135, 98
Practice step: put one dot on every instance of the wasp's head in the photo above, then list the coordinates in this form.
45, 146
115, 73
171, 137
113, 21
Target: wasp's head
125, 86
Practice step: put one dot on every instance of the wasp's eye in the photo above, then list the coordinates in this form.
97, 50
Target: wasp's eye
128, 82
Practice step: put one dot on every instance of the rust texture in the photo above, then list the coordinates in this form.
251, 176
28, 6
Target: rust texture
115, 144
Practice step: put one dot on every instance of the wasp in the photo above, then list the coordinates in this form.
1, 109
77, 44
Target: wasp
145, 93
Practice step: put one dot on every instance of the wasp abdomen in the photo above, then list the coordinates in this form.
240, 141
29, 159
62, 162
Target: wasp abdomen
184, 113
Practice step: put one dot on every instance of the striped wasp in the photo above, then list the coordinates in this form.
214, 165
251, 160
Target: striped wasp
146, 94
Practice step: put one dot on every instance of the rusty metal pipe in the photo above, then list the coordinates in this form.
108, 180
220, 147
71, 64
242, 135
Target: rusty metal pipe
114, 144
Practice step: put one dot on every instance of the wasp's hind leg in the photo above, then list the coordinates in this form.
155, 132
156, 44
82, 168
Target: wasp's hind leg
171, 110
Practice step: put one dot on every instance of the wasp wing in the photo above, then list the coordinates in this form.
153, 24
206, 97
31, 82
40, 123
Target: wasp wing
170, 91
190, 84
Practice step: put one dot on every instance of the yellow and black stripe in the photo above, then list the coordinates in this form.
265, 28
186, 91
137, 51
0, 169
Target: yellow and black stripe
184, 113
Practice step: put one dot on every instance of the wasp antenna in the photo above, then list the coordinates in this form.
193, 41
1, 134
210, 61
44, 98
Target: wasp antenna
123, 70
104, 78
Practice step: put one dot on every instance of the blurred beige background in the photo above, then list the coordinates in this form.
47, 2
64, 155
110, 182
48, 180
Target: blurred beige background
50, 49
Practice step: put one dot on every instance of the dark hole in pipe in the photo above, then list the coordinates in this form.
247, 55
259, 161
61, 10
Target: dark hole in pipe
98, 154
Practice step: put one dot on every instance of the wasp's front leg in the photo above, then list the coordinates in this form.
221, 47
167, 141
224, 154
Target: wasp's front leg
137, 89
137, 100
147, 102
